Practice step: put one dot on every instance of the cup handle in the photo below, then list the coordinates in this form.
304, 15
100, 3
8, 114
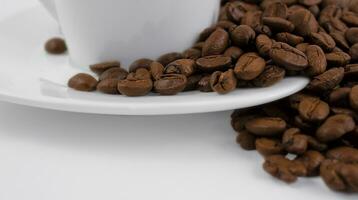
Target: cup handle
50, 7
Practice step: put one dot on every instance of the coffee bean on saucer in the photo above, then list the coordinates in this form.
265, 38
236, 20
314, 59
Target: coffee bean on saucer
249, 66
140, 63
246, 140
192, 82
192, 53
108, 86
156, 70
170, 84
134, 88
204, 84
264, 45
267, 147
223, 82
271, 75
169, 57
185, 67
217, 43
242, 35
56, 46
101, 67
83, 82
214, 63
114, 73
288, 57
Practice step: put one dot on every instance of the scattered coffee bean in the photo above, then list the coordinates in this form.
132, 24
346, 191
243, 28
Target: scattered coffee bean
185, 67
217, 43
223, 82
114, 73
56, 46
266, 126
102, 67
170, 84
108, 86
288, 57
249, 66
83, 82
335, 127
268, 147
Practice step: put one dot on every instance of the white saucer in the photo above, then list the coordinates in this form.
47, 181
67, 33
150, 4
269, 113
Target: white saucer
29, 76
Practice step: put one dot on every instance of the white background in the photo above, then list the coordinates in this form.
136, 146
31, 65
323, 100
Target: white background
49, 155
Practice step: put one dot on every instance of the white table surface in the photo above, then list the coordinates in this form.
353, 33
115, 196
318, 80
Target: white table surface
49, 155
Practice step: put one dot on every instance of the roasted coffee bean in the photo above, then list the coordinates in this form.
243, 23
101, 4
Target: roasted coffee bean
267, 147
225, 24
345, 111
242, 35
278, 24
284, 169
327, 81
82, 82
169, 57
108, 86
182, 66
324, 40
205, 34
217, 43
214, 63
340, 96
237, 9
139, 74
192, 53
294, 141
335, 127
271, 75
266, 126
263, 45
156, 70
234, 52
338, 59
199, 46
252, 19
204, 84
315, 10
223, 82
302, 47
312, 160
192, 82
353, 98
351, 72
56, 46
339, 38
170, 84
354, 52
238, 123
289, 38
249, 66
350, 18
304, 21
114, 73
317, 63
134, 87
140, 63
343, 154
246, 140
288, 57
313, 109
351, 35
102, 67
276, 9
340, 176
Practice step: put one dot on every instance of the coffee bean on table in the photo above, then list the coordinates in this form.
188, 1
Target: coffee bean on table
288, 57
246, 140
313, 109
335, 127
312, 160
102, 67
217, 43
294, 141
327, 81
214, 63
170, 84
266, 126
267, 147
192, 53
302, 47
234, 52
83, 82
343, 154
223, 82
249, 66
276, 9
338, 59
340, 96
56, 46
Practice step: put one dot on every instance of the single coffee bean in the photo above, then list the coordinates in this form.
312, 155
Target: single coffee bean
83, 82
246, 140
170, 84
185, 67
133, 88
276, 9
204, 84
238, 123
302, 47
327, 81
340, 96
278, 24
350, 18
268, 147
205, 34
337, 59
351, 35
217, 43
140, 63
234, 52
288, 57
214, 63
324, 40
270, 76
351, 72
114, 73
102, 67
56, 46
312, 160
156, 70
242, 35
252, 19
284, 169
345, 111
139, 74
223, 82
193, 81
266, 126
289, 38
169, 57
354, 52
108, 86
304, 22
335, 127
353, 98
263, 45
313, 109
343, 154
340, 176
339, 38
294, 141
249, 66
235, 11
192, 53
317, 63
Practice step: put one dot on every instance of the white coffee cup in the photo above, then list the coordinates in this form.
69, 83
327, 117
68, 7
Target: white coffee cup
125, 30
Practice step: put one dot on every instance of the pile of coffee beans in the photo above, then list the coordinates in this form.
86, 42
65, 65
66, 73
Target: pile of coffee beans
256, 43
